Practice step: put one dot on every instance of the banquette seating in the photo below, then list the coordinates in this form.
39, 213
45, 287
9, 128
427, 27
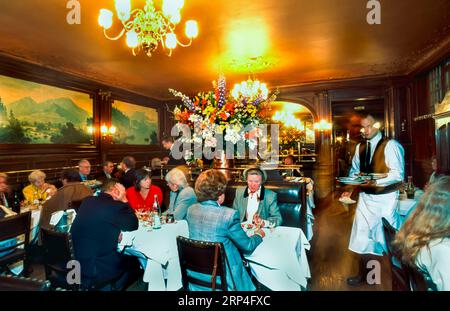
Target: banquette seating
291, 199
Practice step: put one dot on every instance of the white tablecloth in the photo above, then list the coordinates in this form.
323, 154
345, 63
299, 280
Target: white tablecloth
405, 207
159, 248
280, 261
35, 218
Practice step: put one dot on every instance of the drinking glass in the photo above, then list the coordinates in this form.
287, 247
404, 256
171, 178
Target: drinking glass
272, 224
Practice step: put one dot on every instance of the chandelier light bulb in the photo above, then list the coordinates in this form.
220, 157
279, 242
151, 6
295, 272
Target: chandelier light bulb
149, 27
235, 92
175, 18
123, 9
132, 39
171, 41
191, 29
179, 4
170, 8
105, 18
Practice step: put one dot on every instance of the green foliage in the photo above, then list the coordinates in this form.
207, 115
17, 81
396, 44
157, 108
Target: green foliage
13, 133
70, 135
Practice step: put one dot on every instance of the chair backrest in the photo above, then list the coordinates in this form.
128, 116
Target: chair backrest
202, 257
399, 275
419, 280
389, 236
58, 251
291, 197
14, 226
14, 283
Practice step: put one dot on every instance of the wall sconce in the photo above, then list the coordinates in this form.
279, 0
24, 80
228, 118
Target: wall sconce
104, 130
322, 126
108, 130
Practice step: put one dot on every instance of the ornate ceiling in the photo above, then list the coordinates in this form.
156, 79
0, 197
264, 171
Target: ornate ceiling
295, 41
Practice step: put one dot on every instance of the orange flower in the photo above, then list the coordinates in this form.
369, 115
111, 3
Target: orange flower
223, 116
229, 107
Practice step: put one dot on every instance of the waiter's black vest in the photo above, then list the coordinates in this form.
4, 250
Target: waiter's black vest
378, 163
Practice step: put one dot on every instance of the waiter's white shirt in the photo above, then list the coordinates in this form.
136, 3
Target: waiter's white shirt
394, 156
253, 204
367, 235
436, 262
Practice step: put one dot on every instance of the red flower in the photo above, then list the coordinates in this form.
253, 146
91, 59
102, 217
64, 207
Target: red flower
223, 116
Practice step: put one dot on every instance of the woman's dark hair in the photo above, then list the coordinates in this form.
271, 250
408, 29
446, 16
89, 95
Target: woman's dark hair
71, 175
141, 174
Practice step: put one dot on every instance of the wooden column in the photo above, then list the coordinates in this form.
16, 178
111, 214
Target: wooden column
323, 175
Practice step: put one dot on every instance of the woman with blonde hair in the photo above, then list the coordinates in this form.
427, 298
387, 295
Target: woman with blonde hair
424, 239
38, 191
182, 196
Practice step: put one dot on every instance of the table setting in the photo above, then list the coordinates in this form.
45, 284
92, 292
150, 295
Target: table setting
280, 261
157, 252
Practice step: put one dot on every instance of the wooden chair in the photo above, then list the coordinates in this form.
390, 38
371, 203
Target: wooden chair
202, 257
400, 278
14, 283
419, 280
58, 251
11, 228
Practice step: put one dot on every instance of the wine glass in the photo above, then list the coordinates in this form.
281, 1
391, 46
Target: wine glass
272, 224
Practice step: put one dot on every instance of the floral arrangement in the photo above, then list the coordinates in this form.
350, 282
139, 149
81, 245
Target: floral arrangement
218, 110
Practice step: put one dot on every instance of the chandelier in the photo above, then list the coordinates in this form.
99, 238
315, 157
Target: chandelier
146, 29
250, 90
288, 120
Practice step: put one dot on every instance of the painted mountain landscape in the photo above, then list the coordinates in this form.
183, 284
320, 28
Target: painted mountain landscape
32, 113
136, 125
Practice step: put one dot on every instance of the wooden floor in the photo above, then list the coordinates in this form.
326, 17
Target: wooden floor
330, 260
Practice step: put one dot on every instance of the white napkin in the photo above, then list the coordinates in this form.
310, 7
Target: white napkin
56, 216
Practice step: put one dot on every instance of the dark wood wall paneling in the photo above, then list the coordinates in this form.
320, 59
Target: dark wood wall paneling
405, 97
41, 156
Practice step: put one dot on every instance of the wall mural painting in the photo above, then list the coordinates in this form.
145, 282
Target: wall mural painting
136, 125
33, 113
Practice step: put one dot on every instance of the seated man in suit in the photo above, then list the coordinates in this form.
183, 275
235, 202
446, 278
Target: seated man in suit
95, 233
106, 173
84, 167
72, 190
128, 178
255, 203
210, 221
5, 199
168, 144
5, 212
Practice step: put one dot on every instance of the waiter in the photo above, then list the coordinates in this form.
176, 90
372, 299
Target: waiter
383, 156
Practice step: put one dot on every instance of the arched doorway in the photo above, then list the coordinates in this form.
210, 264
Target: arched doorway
297, 135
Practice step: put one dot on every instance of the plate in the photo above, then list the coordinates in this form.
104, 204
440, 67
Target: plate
377, 175
351, 180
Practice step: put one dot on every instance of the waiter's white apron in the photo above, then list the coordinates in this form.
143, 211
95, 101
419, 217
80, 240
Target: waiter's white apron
367, 235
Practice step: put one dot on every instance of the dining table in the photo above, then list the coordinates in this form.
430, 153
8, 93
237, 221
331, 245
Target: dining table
157, 251
279, 262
